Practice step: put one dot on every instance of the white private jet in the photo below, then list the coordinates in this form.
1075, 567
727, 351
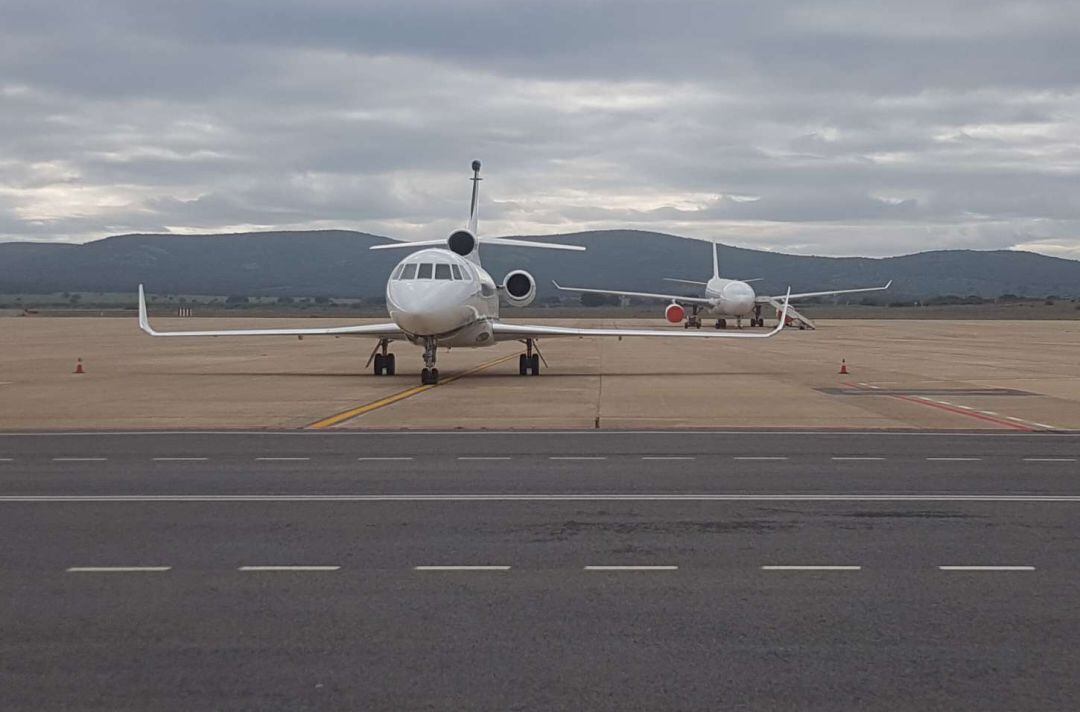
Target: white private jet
726, 298
442, 297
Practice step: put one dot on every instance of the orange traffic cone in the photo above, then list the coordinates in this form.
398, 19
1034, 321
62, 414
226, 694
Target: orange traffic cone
78, 366
843, 367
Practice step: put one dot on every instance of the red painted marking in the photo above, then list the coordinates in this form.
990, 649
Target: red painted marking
951, 409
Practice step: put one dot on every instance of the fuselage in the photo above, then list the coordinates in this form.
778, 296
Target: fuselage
730, 297
436, 292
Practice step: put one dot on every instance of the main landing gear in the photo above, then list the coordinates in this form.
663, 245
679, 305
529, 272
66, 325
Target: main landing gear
430, 375
693, 321
385, 364
721, 323
529, 362
757, 319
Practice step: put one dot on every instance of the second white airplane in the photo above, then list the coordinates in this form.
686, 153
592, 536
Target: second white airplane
441, 297
725, 298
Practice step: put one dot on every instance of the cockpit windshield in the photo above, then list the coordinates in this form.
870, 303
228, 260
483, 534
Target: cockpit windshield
429, 270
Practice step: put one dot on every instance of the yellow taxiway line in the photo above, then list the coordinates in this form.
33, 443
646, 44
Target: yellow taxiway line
400, 396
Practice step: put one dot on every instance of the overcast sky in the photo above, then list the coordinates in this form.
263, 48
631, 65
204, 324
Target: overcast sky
834, 127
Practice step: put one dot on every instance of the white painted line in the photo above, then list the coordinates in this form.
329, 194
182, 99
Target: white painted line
575, 457
461, 568
282, 459
811, 568
80, 459
631, 568
288, 568
939, 497
988, 412
965, 407
1043, 425
759, 458
859, 459
180, 459
954, 459
1049, 459
7, 459
666, 457
987, 568
381, 459
116, 569
485, 458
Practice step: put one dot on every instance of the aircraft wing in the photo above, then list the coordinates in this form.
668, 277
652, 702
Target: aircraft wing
806, 295
533, 331
384, 331
645, 295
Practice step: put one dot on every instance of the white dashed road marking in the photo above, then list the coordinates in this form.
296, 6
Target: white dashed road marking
288, 568
954, 459
484, 458
858, 459
80, 459
771, 457
811, 568
181, 459
116, 569
666, 457
575, 457
461, 568
631, 568
1049, 459
382, 459
282, 459
987, 568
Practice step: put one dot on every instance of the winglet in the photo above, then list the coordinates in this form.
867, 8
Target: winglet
144, 321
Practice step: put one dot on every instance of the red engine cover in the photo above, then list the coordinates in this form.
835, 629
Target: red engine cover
674, 313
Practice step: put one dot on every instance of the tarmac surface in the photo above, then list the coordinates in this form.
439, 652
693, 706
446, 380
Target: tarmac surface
540, 570
903, 375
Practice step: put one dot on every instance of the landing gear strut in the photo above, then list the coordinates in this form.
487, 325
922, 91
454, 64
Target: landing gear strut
529, 362
721, 323
757, 319
385, 364
430, 375
693, 321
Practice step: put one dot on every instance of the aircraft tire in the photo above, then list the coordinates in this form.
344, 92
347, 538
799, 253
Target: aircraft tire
380, 364
523, 365
535, 365
390, 365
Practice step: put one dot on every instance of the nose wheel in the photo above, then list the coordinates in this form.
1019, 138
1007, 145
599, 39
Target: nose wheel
430, 375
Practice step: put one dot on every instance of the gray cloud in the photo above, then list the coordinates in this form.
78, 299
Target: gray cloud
829, 127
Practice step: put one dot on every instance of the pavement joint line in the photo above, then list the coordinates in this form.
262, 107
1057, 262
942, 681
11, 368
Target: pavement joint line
401, 395
180, 459
79, 459
540, 497
461, 568
116, 569
987, 568
382, 459
631, 568
1049, 459
810, 568
257, 569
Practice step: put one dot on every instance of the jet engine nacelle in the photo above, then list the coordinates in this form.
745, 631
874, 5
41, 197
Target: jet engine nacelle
462, 242
519, 288
675, 313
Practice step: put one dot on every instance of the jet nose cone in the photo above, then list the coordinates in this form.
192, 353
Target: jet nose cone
739, 297
427, 308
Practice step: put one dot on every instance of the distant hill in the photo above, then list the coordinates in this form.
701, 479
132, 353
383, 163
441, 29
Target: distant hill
337, 263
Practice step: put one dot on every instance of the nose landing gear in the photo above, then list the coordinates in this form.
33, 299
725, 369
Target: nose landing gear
430, 375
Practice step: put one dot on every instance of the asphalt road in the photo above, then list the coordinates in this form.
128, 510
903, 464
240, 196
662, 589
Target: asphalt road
308, 571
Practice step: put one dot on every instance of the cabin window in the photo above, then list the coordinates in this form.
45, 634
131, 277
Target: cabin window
457, 272
487, 289
398, 271
425, 271
442, 271
410, 271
